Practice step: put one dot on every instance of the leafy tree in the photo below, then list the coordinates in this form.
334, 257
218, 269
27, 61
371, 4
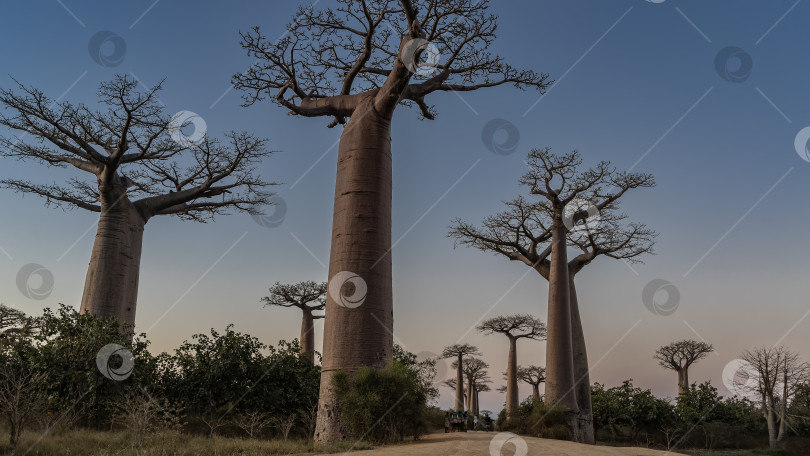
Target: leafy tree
22, 386
223, 374
626, 411
425, 370
68, 345
799, 411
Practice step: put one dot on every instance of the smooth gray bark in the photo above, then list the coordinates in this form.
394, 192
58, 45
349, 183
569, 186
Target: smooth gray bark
361, 336
560, 383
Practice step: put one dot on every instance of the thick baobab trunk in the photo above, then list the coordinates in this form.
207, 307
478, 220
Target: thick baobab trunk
581, 369
358, 330
683, 380
535, 392
308, 336
560, 384
512, 401
459, 386
111, 286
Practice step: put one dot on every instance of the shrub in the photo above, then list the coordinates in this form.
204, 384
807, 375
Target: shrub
536, 419
382, 405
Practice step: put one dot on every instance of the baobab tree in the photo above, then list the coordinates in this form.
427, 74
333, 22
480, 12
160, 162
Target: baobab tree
360, 61
582, 208
134, 168
459, 351
514, 327
778, 374
473, 369
534, 376
480, 386
679, 356
308, 296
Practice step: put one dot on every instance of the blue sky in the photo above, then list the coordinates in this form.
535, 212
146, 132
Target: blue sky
635, 80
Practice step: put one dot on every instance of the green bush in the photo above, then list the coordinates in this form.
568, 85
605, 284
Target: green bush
699, 418
536, 419
219, 380
383, 405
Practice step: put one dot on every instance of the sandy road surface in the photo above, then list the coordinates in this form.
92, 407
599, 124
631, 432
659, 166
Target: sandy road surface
478, 444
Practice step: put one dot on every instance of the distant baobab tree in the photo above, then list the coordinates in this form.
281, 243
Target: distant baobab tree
577, 209
356, 63
459, 352
514, 327
679, 356
534, 376
474, 369
308, 296
135, 171
775, 374
480, 386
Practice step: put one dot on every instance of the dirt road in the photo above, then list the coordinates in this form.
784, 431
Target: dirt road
478, 444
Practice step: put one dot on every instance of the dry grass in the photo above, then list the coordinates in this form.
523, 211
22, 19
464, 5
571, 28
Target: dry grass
97, 443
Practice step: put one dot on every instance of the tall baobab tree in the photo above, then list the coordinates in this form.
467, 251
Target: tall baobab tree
308, 296
472, 368
360, 61
514, 327
135, 170
534, 376
679, 356
779, 372
583, 206
459, 352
